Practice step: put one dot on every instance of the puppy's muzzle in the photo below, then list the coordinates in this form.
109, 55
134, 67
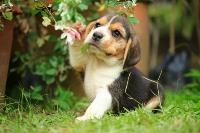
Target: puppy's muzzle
97, 36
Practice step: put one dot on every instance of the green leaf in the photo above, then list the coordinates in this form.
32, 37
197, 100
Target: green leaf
53, 62
50, 80
46, 21
85, 48
40, 42
62, 77
34, 11
7, 15
35, 93
8, 3
112, 3
133, 20
63, 99
51, 72
83, 6
193, 74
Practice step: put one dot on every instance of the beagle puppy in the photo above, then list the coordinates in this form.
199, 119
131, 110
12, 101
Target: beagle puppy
110, 79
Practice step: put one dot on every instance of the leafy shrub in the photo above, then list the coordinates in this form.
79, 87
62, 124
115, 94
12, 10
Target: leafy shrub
47, 54
34, 93
62, 97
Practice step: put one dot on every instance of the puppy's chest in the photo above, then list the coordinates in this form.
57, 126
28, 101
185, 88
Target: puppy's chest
99, 76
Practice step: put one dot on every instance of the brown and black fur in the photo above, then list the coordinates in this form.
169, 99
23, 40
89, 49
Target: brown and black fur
131, 90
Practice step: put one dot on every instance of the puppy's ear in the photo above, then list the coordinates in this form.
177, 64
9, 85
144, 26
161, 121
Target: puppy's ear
132, 52
89, 28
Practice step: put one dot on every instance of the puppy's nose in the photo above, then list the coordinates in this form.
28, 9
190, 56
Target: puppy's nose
97, 36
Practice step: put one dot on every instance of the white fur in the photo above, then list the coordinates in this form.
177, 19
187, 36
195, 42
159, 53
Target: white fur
99, 106
153, 102
100, 72
99, 75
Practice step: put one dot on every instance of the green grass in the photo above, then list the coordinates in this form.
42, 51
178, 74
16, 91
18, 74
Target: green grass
180, 114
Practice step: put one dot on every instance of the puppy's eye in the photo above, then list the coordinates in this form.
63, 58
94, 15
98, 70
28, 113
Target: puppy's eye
116, 33
97, 25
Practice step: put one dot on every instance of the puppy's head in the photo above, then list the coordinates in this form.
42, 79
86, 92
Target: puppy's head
113, 36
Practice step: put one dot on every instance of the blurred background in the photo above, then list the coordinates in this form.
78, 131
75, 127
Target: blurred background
34, 59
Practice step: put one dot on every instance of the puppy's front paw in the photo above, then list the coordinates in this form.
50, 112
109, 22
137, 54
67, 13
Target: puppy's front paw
83, 118
71, 35
89, 117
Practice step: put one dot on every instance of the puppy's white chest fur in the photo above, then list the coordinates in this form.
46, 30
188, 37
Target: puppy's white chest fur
99, 75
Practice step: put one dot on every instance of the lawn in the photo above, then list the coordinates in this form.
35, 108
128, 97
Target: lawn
180, 114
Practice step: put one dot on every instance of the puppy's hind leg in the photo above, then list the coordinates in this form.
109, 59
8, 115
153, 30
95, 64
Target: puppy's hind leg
153, 103
156, 95
157, 99
101, 104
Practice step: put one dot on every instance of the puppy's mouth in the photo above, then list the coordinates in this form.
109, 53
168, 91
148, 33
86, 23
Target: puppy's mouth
94, 45
97, 46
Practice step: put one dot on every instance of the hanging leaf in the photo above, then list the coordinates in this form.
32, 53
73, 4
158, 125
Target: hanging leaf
83, 6
51, 71
133, 19
46, 21
85, 48
7, 15
40, 42
102, 7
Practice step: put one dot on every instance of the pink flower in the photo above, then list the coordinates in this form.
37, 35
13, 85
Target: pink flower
71, 35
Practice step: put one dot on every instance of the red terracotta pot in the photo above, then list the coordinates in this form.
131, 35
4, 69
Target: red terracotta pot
6, 37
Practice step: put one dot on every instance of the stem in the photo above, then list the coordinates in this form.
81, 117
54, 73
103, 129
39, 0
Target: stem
155, 45
196, 4
172, 37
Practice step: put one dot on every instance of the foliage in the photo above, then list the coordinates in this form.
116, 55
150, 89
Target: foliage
194, 74
34, 93
177, 13
133, 19
125, 4
52, 64
6, 13
179, 114
62, 97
